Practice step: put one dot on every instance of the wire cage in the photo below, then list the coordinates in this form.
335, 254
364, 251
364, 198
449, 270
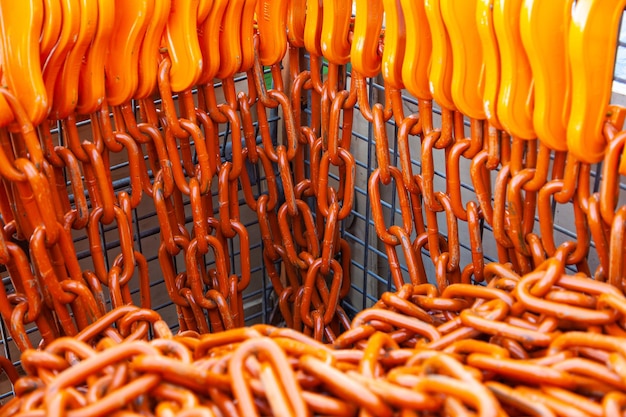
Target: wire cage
370, 272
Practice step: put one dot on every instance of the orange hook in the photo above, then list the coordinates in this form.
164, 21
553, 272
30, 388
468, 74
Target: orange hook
91, 81
592, 44
66, 87
515, 99
367, 26
149, 54
491, 58
122, 62
467, 56
335, 28
440, 72
313, 27
418, 51
183, 47
544, 27
271, 20
20, 25
395, 43
209, 37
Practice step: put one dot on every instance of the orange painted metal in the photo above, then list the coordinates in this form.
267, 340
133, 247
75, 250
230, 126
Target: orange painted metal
538, 331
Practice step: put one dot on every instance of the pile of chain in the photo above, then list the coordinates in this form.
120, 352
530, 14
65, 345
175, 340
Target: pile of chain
530, 340
503, 349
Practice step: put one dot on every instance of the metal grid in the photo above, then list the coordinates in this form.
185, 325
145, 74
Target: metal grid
146, 237
370, 273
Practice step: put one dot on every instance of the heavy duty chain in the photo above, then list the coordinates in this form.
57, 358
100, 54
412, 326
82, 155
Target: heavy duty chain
539, 332
495, 349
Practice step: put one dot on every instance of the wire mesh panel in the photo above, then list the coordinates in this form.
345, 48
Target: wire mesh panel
371, 275
270, 192
370, 271
146, 240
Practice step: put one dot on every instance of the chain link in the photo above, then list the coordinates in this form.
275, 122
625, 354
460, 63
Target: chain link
449, 339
